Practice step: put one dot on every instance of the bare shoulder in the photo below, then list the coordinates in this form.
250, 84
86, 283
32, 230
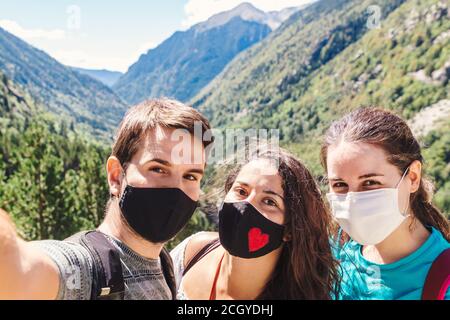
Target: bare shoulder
197, 242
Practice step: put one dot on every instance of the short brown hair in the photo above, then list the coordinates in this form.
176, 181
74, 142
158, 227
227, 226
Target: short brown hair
150, 114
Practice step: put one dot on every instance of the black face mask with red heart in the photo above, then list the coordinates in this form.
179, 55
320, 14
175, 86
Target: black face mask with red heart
244, 232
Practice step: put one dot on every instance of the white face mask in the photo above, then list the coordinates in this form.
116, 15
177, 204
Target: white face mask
368, 217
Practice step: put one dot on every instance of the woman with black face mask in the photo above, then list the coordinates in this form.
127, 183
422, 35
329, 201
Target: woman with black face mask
273, 240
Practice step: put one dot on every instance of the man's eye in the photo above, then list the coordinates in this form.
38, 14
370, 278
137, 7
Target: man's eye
190, 177
157, 170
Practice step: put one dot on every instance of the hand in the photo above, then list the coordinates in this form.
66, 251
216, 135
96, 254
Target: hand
25, 272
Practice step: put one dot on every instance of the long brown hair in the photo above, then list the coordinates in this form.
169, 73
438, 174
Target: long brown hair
390, 132
306, 268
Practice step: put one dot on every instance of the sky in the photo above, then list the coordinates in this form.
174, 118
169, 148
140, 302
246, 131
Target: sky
105, 34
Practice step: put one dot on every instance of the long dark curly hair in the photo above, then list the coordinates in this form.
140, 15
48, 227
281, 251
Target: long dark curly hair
306, 268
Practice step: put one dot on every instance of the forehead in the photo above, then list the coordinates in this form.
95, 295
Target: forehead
261, 173
355, 159
173, 145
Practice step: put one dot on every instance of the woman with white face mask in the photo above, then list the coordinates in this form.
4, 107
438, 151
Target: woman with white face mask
391, 234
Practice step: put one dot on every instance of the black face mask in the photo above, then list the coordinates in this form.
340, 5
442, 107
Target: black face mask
156, 214
244, 232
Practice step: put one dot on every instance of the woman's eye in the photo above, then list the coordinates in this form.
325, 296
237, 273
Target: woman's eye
339, 185
241, 192
270, 202
369, 183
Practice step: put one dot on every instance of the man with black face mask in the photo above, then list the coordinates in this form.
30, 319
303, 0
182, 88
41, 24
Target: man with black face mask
154, 172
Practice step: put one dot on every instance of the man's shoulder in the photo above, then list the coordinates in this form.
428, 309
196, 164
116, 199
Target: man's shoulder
76, 238
75, 265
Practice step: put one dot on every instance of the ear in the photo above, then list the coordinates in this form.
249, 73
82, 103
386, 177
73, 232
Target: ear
415, 175
114, 171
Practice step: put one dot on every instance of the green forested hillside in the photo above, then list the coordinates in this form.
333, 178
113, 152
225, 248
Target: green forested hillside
403, 65
91, 105
323, 62
52, 181
262, 78
437, 162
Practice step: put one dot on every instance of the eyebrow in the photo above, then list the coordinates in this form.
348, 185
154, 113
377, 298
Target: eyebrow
273, 193
369, 175
160, 161
268, 191
168, 164
199, 171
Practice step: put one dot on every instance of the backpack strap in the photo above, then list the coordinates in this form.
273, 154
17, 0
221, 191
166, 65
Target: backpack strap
438, 278
168, 271
201, 254
108, 282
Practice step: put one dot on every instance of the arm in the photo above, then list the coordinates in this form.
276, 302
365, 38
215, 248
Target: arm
25, 271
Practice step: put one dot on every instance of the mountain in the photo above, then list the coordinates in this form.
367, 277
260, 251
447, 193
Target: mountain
13, 101
107, 77
61, 90
52, 179
264, 76
325, 61
246, 11
186, 62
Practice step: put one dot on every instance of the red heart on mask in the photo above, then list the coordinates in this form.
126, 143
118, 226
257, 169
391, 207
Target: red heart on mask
257, 239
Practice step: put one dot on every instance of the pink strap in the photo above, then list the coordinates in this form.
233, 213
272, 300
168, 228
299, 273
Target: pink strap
438, 278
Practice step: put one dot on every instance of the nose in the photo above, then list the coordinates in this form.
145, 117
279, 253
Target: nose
353, 189
354, 186
172, 182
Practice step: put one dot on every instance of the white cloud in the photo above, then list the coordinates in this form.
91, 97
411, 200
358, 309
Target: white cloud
119, 62
82, 59
61, 45
201, 10
32, 34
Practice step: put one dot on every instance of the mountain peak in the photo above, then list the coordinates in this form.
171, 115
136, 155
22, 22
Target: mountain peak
246, 6
246, 11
